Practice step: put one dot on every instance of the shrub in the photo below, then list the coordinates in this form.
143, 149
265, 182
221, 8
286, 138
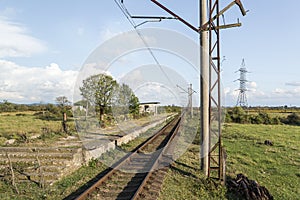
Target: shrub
20, 114
237, 115
2, 141
47, 116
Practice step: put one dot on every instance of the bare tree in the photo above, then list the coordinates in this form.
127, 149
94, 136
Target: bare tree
64, 105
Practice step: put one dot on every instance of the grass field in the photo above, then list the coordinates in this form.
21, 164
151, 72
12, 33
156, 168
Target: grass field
13, 125
277, 167
24, 122
184, 180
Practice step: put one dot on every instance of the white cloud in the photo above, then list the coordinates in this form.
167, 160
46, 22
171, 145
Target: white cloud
293, 93
255, 96
294, 83
16, 42
252, 85
34, 84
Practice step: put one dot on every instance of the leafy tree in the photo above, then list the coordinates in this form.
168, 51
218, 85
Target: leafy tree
125, 101
228, 118
238, 115
134, 105
98, 90
6, 106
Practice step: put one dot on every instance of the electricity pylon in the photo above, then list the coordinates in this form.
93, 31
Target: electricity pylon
242, 98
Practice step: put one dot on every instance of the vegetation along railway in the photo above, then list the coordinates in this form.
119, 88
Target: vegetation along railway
139, 174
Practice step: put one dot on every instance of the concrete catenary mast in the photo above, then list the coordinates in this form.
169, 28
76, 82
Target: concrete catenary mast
210, 105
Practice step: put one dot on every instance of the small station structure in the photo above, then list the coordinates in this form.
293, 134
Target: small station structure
149, 107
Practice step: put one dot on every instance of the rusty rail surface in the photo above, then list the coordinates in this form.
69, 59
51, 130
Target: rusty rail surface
129, 177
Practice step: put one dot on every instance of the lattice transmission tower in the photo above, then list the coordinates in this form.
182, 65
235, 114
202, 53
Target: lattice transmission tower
242, 98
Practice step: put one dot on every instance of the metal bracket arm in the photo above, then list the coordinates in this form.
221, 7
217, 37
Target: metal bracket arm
175, 15
238, 2
224, 26
151, 17
204, 27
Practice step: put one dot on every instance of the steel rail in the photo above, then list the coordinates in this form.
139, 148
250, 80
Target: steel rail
156, 163
116, 167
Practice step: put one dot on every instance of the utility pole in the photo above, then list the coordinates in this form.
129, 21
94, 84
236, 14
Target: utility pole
204, 88
209, 32
190, 92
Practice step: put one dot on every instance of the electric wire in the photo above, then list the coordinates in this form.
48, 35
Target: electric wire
128, 17
125, 12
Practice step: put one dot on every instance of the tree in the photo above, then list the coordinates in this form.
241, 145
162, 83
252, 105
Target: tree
125, 101
134, 105
6, 106
238, 115
98, 91
64, 105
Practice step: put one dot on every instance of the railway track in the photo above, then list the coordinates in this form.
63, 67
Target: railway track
140, 173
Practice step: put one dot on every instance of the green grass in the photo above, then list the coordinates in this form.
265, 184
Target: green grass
59, 190
10, 123
71, 183
275, 167
14, 124
184, 180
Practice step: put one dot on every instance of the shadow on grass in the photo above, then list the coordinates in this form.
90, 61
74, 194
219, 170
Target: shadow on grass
87, 185
185, 165
184, 173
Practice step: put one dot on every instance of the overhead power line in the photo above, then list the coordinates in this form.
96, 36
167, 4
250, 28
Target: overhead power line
129, 17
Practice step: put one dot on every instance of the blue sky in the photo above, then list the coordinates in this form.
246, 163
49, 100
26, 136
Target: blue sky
44, 43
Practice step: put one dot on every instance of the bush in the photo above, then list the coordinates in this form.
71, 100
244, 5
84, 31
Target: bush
236, 115
47, 116
20, 114
276, 121
255, 119
2, 141
265, 118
